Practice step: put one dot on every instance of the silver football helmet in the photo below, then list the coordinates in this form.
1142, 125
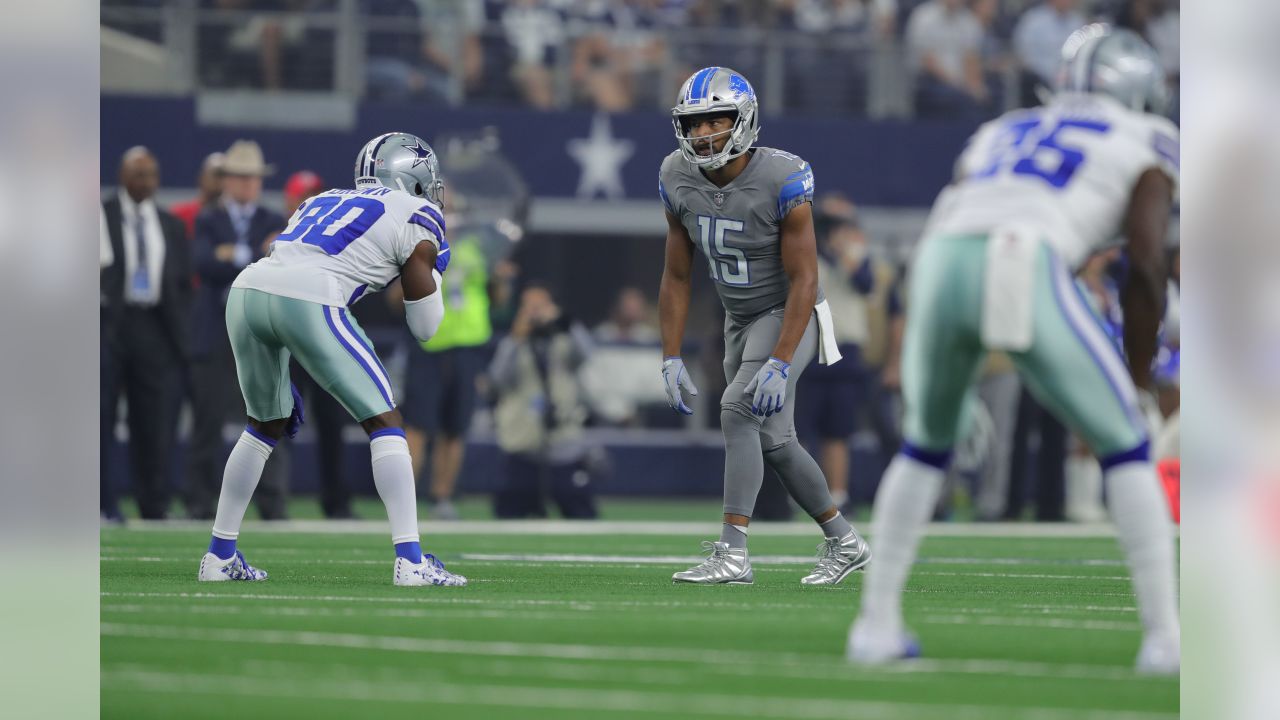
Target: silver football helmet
401, 161
1115, 62
717, 90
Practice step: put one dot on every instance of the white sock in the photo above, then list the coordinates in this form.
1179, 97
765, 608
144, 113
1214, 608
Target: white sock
1142, 520
239, 479
904, 503
393, 476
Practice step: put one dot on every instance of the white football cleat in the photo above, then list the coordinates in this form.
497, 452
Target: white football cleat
428, 572
724, 566
875, 645
215, 569
837, 557
1160, 655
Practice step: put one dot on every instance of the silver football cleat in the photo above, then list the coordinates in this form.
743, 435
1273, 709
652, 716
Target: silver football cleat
837, 557
724, 566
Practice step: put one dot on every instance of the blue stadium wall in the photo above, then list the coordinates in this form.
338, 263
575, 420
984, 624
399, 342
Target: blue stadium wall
880, 163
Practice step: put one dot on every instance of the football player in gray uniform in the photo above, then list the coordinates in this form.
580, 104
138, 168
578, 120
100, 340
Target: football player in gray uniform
749, 212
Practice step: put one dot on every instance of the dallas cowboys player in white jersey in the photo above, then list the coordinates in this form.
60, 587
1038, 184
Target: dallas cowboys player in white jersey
339, 245
1036, 192
751, 214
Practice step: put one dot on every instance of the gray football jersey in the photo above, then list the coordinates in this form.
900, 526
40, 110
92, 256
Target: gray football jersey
737, 227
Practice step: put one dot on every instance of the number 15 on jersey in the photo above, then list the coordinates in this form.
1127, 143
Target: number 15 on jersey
728, 264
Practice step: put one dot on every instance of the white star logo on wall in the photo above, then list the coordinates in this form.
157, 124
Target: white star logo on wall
601, 157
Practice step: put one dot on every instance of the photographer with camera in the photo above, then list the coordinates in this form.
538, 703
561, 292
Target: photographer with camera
541, 411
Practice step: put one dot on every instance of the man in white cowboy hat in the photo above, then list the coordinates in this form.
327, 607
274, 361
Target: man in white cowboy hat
228, 236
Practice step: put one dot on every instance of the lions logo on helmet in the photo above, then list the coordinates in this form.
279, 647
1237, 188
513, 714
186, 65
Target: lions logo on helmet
402, 162
717, 90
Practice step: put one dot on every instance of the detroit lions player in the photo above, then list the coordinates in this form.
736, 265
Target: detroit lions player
749, 212
1036, 192
339, 245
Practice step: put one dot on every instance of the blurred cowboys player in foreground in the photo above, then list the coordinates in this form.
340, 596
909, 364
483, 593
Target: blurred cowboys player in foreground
1036, 192
750, 213
339, 245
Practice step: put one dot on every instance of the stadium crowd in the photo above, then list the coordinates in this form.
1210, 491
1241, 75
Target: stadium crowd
619, 54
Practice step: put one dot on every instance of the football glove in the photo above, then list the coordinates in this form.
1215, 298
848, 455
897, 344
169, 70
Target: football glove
676, 378
296, 418
769, 387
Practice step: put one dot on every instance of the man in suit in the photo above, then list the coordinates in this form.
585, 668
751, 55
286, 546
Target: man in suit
229, 235
146, 289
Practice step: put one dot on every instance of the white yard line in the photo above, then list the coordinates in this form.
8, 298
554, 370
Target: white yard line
626, 527
1031, 622
429, 691
576, 613
598, 653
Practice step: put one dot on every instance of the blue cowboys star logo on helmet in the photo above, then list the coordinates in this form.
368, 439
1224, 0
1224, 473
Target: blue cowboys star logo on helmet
422, 156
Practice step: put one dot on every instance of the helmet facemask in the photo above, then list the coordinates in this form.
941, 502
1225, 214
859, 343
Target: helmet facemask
738, 141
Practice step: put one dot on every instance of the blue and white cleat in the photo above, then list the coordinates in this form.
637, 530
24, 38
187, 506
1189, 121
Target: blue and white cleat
428, 572
873, 645
215, 569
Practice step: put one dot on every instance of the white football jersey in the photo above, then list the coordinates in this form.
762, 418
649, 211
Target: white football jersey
1067, 169
342, 244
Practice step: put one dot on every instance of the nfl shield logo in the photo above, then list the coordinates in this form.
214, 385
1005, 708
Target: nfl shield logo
719, 199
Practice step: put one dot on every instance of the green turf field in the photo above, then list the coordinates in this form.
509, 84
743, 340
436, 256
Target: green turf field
590, 626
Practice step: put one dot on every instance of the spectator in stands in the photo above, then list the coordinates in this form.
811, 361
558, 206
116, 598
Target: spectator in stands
1038, 39
209, 184
229, 236
617, 53
440, 383
631, 320
272, 48
829, 70
535, 31
541, 412
429, 41
944, 43
300, 187
615, 379
146, 290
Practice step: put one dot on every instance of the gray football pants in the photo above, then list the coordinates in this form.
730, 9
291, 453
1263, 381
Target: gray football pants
751, 440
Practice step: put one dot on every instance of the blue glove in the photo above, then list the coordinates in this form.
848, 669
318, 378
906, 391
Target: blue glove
676, 377
442, 257
769, 387
297, 417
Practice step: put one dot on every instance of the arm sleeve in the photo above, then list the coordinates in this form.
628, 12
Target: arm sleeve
425, 314
662, 192
797, 189
426, 222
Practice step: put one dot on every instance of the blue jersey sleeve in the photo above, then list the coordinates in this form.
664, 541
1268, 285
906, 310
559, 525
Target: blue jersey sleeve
662, 192
797, 189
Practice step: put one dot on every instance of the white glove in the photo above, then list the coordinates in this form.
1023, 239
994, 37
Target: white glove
769, 387
676, 377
